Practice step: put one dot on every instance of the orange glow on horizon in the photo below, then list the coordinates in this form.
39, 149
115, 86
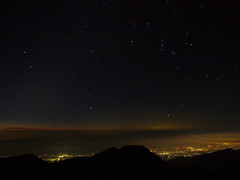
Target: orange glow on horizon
69, 128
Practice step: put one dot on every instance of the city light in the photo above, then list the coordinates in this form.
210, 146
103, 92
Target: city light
62, 156
166, 153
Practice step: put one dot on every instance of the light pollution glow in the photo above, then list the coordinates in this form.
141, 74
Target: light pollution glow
92, 140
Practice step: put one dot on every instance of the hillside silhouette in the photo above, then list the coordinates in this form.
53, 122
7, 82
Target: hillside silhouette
129, 162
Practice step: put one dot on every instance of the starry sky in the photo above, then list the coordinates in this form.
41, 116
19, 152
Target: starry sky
101, 64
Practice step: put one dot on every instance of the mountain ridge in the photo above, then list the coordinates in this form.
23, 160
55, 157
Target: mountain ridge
128, 162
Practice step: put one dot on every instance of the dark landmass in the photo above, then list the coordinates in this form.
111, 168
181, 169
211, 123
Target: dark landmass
129, 162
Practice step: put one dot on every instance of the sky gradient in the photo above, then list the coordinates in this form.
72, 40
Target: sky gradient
133, 66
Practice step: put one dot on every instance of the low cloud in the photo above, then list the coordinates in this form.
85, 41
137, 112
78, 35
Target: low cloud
39, 141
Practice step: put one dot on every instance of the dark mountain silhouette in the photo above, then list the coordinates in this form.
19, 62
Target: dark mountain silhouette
131, 156
223, 164
24, 167
129, 162
224, 159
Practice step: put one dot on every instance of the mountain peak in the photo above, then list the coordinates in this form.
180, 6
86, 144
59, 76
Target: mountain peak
135, 148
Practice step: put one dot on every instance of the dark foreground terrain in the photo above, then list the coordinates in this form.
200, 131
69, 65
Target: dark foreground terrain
129, 162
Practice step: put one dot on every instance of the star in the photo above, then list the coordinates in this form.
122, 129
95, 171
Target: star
173, 52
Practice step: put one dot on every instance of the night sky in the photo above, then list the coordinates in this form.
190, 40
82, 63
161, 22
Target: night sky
139, 66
